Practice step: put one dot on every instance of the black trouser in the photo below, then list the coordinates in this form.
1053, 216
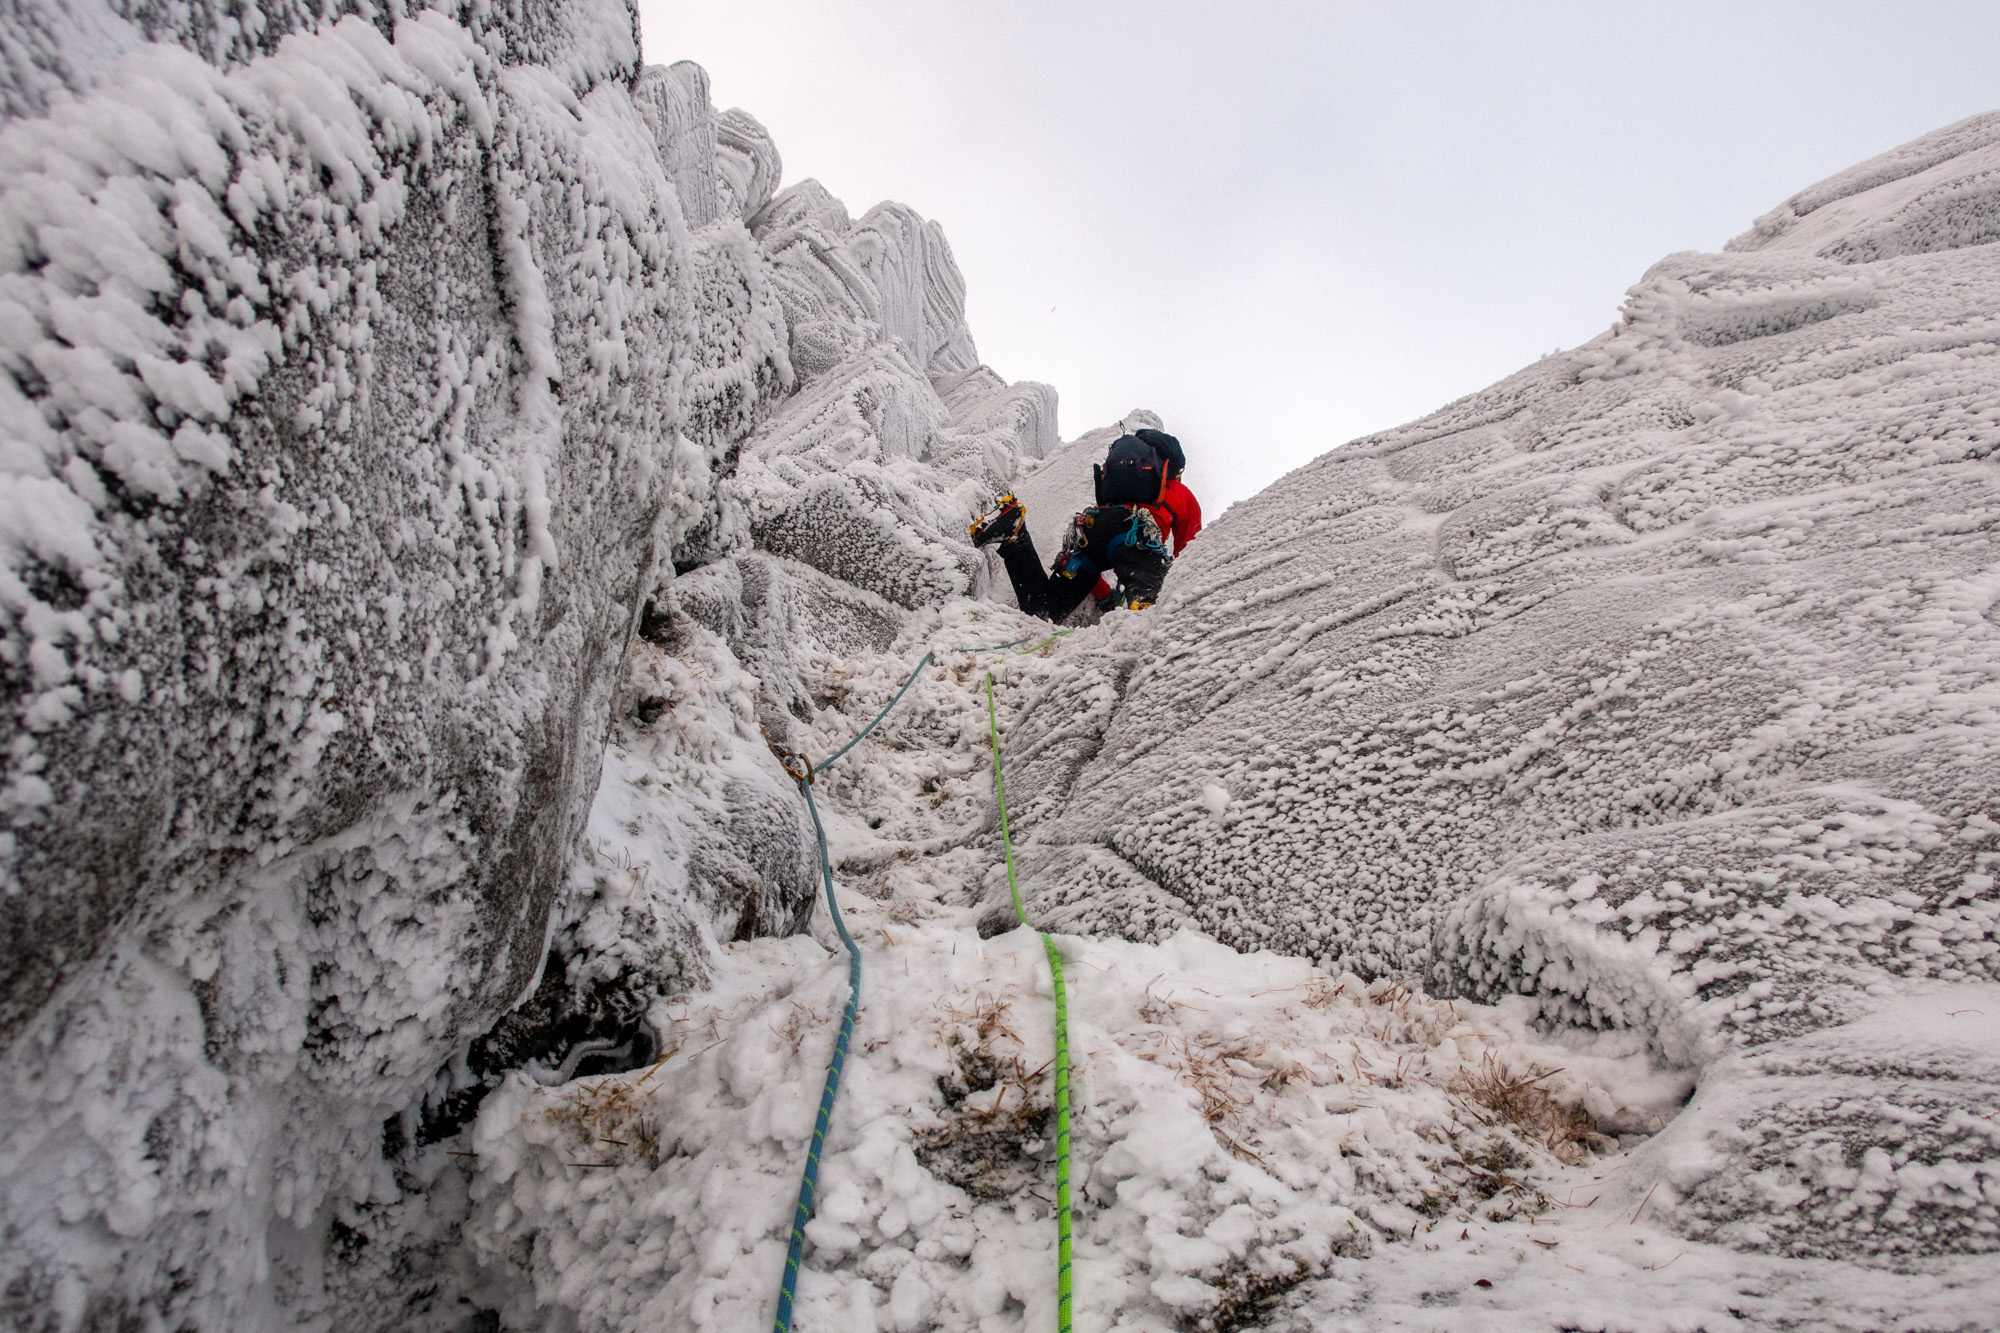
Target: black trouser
1052, 597
1100, 539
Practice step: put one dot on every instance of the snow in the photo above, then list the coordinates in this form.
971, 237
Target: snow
362, 379
1222, 1137
1534, 868
1255, 1137
1654, 685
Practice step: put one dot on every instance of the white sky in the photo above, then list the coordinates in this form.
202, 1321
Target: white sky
1282, 225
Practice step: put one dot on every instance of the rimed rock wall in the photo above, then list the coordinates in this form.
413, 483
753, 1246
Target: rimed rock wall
364, 376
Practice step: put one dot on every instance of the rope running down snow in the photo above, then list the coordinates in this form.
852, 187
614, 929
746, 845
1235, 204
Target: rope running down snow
788, 1283
878, 718
809, 1182
1062, 1034
809, 1179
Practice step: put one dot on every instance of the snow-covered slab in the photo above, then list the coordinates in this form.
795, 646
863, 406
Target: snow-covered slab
1259, 1142
366, 371
1658, 683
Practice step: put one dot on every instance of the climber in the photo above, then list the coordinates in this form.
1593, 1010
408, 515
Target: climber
1177, 511
1121, 533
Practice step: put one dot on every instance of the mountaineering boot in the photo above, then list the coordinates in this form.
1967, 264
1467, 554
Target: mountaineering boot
1002, 523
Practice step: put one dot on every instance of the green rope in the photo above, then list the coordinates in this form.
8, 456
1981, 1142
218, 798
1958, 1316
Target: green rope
1011, 643
809, 1178
1044, 643
1015, 643
1062, 1030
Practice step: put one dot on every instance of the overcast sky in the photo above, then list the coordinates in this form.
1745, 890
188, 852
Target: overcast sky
1285, 225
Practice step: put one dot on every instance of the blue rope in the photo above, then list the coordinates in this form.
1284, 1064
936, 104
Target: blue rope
809, 1182
878, 718
809, 1179
1012, 643
996, 647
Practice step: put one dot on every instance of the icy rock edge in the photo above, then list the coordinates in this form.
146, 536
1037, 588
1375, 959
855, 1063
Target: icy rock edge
367, 373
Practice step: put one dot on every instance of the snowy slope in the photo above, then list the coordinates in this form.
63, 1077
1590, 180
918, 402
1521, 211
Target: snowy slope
1243, 1122
1259, 1143
1656, 683
1675, 769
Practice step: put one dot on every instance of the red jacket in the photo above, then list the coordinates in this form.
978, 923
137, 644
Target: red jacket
1179, 515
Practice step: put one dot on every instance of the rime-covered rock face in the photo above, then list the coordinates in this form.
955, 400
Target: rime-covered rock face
368, 378
1657, 682
325, 534
364, 374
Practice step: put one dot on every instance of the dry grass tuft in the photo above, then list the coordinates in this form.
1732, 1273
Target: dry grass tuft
993, 1134
834, 690
1323, 992
799, 1021
1227, 1077
1248, 1295
1523, 1104
1399, 1016
611, 1122
1161, 1009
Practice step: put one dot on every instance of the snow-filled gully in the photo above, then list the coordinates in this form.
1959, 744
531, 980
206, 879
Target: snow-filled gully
803, 771
393, 941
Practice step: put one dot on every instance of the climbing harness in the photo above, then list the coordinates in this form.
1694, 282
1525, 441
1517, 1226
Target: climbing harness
802, 771
1062, 1033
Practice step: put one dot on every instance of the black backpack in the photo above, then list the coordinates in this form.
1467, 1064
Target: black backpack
1132, 473
1167, 447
